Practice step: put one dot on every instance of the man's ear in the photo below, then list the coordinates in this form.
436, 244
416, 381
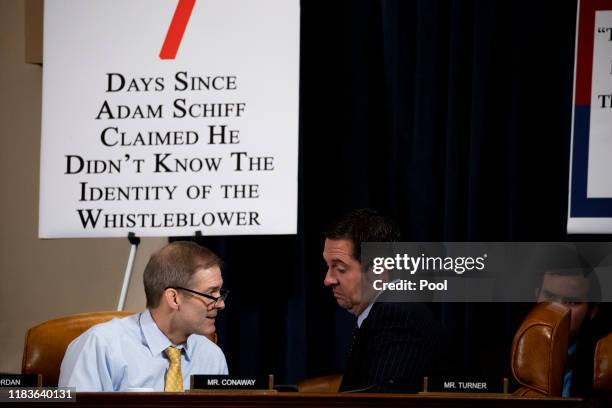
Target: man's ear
369, 275
537, 293
385, 276
593, 312
170, 297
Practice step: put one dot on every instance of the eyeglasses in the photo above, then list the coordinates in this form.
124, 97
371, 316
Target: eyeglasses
222, 294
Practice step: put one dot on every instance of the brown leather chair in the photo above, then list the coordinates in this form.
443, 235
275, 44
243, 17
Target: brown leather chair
602, 367
539, 351
324, 384
46, 343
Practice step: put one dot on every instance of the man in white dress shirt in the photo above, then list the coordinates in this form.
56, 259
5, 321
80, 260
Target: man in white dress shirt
161, 347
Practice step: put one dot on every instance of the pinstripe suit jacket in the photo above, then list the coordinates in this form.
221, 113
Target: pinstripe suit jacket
397, 344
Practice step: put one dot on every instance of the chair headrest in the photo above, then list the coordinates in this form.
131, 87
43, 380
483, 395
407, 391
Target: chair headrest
602, 367
539, 349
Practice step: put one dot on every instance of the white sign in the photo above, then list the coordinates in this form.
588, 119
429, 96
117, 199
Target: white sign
599, 183
166, 117
590, 187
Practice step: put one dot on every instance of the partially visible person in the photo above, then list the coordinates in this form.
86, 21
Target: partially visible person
395, 344
575, 285
159, 348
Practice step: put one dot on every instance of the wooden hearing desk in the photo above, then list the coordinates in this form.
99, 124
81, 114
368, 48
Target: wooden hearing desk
304, 400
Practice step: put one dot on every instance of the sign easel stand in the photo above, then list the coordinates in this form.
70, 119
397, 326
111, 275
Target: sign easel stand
134, 241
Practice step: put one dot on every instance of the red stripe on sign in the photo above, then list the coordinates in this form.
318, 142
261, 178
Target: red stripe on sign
586, 41
176, 29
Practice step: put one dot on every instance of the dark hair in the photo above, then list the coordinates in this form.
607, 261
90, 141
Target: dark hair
594, 293
174, 265
363, 225
563, 260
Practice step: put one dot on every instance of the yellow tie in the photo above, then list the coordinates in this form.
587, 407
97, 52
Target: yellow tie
174, 377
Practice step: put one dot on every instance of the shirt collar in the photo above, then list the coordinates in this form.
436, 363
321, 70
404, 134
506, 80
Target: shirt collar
156, 340
364, 314
366, 311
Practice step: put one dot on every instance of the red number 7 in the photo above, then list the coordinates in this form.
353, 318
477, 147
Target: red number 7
176, 29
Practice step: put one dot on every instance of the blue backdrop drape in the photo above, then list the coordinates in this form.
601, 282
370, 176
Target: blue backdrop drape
452, 117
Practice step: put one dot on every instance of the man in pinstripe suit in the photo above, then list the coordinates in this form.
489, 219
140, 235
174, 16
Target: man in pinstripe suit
395, 344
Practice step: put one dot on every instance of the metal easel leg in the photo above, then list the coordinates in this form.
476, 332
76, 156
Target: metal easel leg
134, 241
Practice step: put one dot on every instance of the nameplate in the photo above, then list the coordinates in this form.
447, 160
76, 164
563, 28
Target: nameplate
230, 382
466, 384
19, 380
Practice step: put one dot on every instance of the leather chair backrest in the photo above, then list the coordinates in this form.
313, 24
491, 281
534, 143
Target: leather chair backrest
46, 343
602, 367
324, 384
539, 351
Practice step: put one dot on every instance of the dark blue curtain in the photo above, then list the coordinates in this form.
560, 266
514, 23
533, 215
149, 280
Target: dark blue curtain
453, 118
